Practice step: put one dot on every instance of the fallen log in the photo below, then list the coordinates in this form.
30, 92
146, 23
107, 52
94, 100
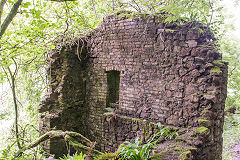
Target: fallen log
76, 140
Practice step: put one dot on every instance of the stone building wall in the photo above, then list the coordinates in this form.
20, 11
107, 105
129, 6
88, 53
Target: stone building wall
143, 69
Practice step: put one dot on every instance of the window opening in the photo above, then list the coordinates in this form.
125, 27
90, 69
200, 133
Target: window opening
113, 81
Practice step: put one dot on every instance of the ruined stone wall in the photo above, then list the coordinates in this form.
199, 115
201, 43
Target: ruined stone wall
168, 73
63, 108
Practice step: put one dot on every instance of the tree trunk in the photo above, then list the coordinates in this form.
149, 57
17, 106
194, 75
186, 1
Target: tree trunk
13, 87
10, 17
2, 3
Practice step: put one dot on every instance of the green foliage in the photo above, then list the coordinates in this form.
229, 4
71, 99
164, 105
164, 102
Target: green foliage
140, 151
202, 121
231, 135
3, 115
27, 134
207, 12
166, 132
185, 154
76, 156
230, 48
200, 130
107, 156
136, 150
216, 70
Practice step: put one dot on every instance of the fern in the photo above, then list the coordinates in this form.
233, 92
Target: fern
80, 156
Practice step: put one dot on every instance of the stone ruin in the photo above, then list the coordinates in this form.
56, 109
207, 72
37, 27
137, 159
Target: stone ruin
120, 80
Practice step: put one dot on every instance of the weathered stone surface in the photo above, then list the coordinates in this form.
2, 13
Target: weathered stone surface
164, 77
192, 43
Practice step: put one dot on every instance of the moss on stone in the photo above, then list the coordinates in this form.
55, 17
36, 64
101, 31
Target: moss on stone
192, 148
204, 112
218, 62
200, 130
202, 121
175, 128
185, 154
159, 155
108, 113
178, 148
125, 14
180, 132
191, 138
206, 95
216, 69
135, 120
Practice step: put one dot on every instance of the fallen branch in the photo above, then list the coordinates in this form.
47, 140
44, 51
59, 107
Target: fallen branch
75, 139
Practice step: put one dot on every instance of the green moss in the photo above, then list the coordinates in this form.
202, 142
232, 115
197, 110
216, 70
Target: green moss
202, 121
218, 62
146, 126
125, 14
177, 148
175, 128
196, 94
206, 95
158, 156
108, 109
180, 132
205, 111
135, 120
143, 124
171, 30
185, 154
191, 138
108, 114
200, 130
192, 148
107, 156
160, 19
216, 69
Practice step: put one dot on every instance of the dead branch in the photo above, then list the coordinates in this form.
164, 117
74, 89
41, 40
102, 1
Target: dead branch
75, 139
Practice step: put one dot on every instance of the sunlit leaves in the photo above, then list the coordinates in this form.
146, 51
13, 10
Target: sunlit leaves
230, 48
36, 13
26, 4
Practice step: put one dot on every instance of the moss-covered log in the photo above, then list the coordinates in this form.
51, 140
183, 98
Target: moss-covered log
75, 139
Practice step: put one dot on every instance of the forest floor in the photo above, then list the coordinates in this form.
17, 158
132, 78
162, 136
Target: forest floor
231, 137
236, 152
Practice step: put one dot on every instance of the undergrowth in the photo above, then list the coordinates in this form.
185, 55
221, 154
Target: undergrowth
137, 150
76, 156
231, 135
